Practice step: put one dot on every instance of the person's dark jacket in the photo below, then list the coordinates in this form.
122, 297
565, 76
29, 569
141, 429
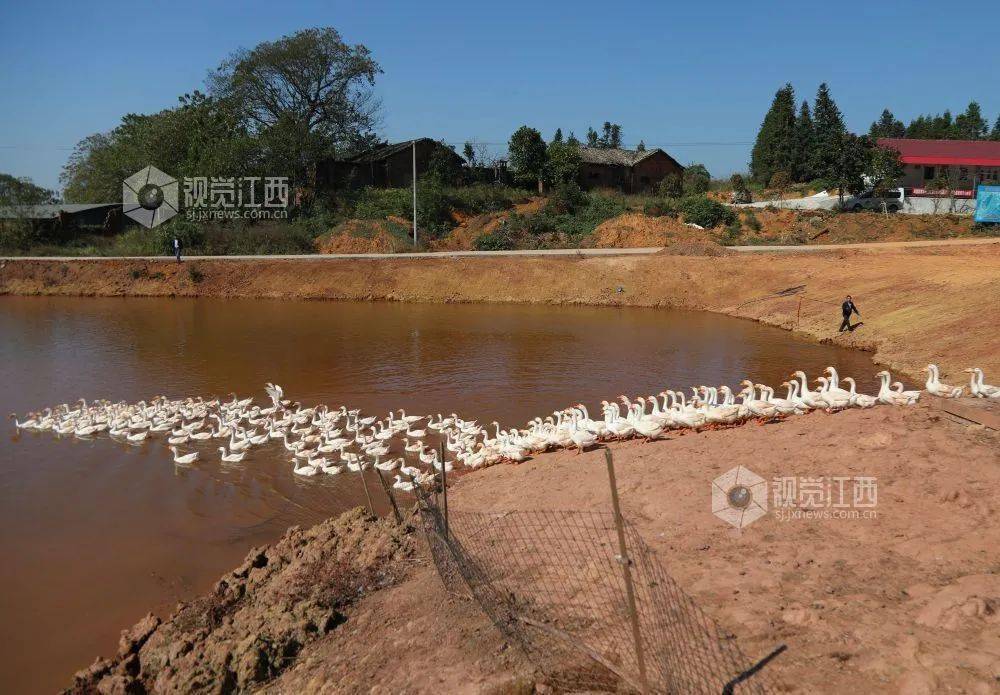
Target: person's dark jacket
847, 307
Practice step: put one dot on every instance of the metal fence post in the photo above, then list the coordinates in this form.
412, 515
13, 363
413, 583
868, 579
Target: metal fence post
627, 573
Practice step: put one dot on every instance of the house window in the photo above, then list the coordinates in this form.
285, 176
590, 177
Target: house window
928, 174
989, 175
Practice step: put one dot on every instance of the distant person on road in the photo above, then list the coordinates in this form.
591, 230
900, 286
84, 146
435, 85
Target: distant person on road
177, 249
848, 308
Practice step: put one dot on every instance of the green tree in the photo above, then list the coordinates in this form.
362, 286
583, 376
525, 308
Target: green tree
469, 153
995, 133
592, 139
641, 147
887, 126
616, 136
22, 192
850, 160
562, 163
829, 132
309, 93
804, 137
527, 155
201, 137
443, 169
971, 125
696, 179
572, 139
884, 169
775, 145
558, 137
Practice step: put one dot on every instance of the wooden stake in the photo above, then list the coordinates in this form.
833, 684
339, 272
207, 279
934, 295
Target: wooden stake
444, 490
627, 573
392, 498
371, 507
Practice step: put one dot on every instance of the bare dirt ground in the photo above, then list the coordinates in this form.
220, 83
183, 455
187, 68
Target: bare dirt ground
908, 602
919, 305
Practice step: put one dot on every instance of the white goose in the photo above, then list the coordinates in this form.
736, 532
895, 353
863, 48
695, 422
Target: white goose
186, 458
978, 388
935, 386
231, 458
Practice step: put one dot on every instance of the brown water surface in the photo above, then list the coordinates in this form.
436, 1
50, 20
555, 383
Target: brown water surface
93, 534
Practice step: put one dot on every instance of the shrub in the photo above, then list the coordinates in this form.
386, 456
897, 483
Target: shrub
696, 180
660, 207
751, 220
671, 186
566, 197
194, 272
499, 240
731, 234
484, 198
705, 212
379, 203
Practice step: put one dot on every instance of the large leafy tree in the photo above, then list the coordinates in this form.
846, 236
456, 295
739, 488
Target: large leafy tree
527, 155
829, 136
21, 192
201, 137
562, 162
307, 95
774, 149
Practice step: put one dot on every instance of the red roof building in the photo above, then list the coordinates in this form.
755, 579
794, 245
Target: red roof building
933, 167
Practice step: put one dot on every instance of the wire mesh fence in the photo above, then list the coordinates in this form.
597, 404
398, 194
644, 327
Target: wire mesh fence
586, 601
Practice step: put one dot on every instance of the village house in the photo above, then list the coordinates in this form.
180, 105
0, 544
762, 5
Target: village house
386, 166
630, 171
964, 164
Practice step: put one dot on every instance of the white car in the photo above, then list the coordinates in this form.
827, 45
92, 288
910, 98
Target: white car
878, 201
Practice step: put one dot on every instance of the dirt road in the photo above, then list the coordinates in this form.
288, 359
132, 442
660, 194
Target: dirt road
642, 251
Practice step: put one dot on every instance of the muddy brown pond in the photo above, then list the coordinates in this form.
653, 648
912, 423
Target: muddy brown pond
96, 533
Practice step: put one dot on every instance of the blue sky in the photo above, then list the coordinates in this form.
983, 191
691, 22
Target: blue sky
695, 78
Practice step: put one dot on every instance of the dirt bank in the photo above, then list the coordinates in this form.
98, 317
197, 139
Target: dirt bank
908, 602
260, 616
918, 304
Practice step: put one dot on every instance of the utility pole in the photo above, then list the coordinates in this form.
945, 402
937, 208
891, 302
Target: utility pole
414, 193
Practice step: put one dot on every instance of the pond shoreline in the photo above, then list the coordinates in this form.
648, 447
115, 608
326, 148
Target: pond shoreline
919, 305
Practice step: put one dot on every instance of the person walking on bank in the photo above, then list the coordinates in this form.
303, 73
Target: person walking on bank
848, 308
177, 249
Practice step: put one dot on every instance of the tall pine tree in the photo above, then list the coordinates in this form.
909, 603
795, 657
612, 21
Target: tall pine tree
804, 135
887, 126
995, 133
971, 125
774, 149
824, 161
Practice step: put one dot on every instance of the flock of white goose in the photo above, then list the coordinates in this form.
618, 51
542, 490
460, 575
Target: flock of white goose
327, 441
